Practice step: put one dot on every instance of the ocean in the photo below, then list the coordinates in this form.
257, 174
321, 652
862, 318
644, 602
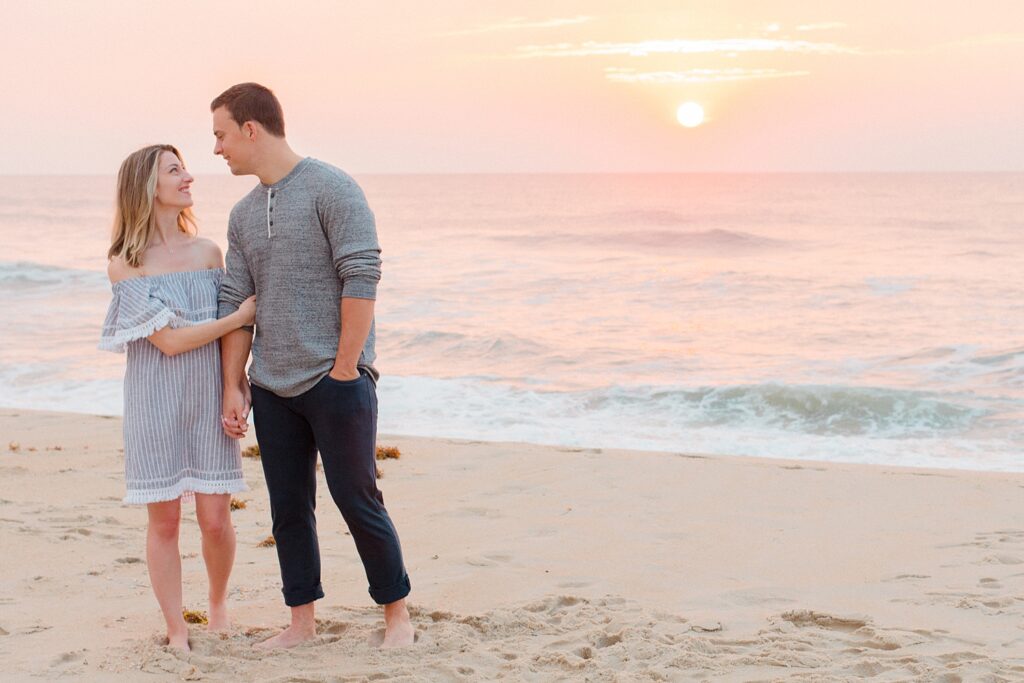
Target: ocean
836, 317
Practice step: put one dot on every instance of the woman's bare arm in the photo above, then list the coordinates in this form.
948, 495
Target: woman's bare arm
172, 341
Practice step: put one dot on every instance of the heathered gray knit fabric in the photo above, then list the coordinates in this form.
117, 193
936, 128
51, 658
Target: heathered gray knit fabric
300, 245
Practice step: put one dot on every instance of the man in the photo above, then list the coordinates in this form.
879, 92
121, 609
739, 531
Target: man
305, 242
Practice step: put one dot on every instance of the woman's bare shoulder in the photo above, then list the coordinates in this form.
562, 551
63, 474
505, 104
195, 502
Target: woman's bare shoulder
210, 253
118, 269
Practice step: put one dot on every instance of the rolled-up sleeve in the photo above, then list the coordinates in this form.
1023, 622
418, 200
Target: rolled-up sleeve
351, 230
237, 285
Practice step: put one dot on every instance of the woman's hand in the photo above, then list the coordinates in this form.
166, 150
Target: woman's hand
247, 312
235, 410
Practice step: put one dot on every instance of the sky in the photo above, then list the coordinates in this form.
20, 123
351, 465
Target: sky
473, 86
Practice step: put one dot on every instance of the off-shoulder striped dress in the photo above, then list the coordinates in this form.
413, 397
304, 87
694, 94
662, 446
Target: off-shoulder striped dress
173, 441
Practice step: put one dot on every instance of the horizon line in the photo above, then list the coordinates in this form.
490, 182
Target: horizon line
592, 173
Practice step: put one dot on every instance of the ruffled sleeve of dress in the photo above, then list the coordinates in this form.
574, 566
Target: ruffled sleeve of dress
135, 313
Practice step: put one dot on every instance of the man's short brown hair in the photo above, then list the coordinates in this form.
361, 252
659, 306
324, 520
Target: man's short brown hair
252, 102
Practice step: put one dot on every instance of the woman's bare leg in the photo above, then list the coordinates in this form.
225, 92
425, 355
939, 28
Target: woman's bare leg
163, 559
214, 514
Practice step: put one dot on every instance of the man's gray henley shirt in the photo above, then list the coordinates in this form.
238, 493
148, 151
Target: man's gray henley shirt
300, 245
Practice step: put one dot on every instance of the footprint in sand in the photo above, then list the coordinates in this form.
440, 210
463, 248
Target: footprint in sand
36, 628
554, 604
1005, 535
905, 577
489, 560
867, 636
331, 631
488, 513
607, 640
376, 638
68, 658
67, 520
499, 557
706, 627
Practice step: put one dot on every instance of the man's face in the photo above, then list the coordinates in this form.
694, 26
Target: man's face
232, 142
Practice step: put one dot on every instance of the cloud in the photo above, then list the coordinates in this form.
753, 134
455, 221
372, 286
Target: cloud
681, 46
519, 23
695, 75
823, 26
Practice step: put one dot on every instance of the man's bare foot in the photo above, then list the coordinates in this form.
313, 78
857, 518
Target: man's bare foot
398, 630
218, 619
178, 640
290, 637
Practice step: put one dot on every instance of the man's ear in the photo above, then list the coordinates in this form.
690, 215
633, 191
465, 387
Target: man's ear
249, 129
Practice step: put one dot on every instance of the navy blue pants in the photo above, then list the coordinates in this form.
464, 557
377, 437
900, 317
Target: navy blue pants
338, 418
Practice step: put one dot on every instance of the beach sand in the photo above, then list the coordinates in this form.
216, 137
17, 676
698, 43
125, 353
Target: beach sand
536, 563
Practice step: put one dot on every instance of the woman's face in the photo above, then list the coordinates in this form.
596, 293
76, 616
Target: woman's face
173, 182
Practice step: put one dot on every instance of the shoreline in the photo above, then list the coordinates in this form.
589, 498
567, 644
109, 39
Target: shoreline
572, 561
807, 461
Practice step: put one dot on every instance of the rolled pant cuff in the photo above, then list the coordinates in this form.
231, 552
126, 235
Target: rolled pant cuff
302, 597
384, 596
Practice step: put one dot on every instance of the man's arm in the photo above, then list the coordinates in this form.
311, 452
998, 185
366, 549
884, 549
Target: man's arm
352, 233
236, 286
356, 319
234, 352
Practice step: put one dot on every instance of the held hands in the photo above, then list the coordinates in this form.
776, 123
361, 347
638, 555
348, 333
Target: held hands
247, 312
235, 410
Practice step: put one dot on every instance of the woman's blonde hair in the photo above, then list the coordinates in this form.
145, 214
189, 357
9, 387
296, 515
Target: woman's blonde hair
134, 220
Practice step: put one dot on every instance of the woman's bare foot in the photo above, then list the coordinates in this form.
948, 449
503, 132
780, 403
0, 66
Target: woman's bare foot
290, 637
218, 619
178, 640
398, 630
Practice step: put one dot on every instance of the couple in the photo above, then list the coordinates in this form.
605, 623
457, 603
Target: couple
303, 243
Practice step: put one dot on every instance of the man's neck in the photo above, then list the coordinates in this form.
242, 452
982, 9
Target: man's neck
278, 164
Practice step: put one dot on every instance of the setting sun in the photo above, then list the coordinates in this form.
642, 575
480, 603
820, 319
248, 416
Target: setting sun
690, 114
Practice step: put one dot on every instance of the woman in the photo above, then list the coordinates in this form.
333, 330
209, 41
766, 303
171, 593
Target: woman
165, 282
